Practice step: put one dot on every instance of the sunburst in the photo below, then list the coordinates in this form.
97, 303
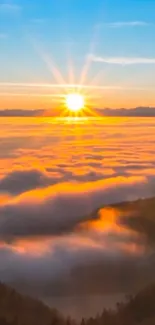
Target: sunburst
75, 99
75, 102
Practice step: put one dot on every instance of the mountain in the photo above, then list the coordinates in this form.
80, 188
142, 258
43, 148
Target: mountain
18, 309
130, 112
136, 310
56, 112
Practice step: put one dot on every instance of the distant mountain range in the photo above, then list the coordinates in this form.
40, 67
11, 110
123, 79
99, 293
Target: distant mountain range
137, 111
124, 112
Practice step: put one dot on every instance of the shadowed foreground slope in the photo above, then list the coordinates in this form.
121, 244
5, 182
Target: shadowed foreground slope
137, 310
17, 309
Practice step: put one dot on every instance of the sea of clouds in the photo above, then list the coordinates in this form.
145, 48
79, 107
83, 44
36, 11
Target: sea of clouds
58, 235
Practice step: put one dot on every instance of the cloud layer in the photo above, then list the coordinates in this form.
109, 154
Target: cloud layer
57, 231
59, 209
19, 181
51, 237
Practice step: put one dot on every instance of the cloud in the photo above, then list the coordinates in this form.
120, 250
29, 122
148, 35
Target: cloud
39, 86
122, 60
53, 238
60, 208
9, 8
69, 265
54, 241
43, 90
121, 24
19, 181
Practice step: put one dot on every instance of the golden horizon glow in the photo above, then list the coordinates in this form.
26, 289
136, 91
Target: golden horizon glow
33, 95
75, 102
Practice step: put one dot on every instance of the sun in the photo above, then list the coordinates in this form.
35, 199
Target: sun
74, 102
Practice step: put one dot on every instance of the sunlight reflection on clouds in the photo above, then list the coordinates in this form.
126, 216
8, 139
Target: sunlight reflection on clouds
75, 150
53, 179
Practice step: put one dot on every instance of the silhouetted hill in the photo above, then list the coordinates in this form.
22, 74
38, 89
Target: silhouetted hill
18, 309
140, 216
136, 310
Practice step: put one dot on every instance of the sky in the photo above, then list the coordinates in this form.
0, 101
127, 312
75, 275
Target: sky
51, 241
105, 44
58, 178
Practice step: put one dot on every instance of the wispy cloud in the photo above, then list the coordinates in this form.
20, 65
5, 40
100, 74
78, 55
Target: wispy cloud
9, 8
9, 85
3, 35
120, 24
122, 60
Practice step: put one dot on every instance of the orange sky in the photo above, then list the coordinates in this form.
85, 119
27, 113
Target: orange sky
106, 98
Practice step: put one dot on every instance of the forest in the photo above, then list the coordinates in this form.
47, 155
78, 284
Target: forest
16, 309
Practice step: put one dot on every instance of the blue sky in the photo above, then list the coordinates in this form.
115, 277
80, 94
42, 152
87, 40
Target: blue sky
116, 36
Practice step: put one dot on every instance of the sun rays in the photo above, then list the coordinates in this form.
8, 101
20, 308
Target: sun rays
67, 86
70, 97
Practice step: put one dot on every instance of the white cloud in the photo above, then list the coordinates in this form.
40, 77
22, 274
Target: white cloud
120, 24
122, 60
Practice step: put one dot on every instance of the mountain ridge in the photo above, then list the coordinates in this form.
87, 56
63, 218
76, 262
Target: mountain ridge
94, 112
